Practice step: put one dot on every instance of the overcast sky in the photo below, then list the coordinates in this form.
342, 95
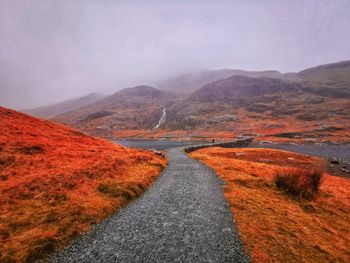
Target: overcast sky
53, 50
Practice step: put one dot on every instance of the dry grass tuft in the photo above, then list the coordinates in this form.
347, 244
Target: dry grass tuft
127, 191
35, 149
299, 183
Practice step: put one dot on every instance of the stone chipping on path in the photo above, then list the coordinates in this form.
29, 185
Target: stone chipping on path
182, 217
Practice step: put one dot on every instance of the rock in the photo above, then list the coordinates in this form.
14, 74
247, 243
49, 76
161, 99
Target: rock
290, 158
103, 128
223, 118
160, 153
267, 142
310, 140
333, 160
245, 135
343, 169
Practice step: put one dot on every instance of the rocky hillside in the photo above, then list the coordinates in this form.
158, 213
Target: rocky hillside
238, 104
226, 103
330, 79
52, 110
241, 90
132, 108
332, 75
228, 107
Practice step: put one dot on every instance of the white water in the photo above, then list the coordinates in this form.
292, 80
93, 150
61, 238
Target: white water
162, 119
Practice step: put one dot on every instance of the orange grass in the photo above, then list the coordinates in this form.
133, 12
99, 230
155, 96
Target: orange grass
263, 125
273, 226
50, 183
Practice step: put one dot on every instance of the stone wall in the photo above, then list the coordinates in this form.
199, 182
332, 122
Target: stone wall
232, 144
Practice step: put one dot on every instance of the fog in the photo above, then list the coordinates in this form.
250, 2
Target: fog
55, 50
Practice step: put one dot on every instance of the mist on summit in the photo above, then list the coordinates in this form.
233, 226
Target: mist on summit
56, 50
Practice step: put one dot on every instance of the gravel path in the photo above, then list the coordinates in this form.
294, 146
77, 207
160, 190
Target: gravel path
183, 217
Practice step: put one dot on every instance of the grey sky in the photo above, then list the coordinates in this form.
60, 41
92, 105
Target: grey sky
54, 50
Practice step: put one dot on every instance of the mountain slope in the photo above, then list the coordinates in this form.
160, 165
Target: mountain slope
219, 102
240, 104
56, 182
52, 110
332, 75
330, 79
285, 103
131, 108
237, 89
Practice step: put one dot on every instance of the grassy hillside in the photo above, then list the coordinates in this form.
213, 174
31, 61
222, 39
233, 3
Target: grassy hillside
274, 226
55, 182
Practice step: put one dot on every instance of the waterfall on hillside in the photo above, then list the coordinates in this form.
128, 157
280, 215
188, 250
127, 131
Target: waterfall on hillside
161, 120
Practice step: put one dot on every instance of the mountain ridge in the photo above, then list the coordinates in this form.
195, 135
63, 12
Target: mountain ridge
51, 110
229, 105
190, 82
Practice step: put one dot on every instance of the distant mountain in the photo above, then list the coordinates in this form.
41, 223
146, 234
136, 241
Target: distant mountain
140, 107
226, 96
190, 82
237, 103
227, 103
52, 110
241, 89
335, 75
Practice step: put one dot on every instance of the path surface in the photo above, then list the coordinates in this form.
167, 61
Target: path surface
183, 217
